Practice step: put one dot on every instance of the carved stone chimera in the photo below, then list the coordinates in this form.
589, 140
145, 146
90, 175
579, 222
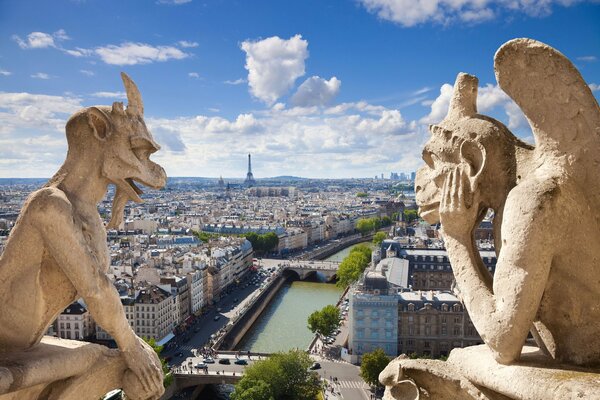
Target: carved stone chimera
57, 253
546, 202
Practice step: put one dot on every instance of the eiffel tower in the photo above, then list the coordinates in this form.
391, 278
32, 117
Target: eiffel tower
249, 177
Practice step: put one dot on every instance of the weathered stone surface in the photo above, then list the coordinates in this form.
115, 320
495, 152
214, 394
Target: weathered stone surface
546, 202
57, 253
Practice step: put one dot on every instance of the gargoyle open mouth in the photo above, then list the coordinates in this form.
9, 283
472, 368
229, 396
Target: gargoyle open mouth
135, 188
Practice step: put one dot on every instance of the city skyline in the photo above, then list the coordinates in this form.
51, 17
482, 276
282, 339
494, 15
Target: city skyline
340, 90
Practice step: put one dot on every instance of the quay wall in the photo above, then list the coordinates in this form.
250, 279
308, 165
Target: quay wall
241, 326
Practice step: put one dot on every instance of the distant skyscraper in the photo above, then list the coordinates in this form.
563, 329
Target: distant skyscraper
413, 175
249, 177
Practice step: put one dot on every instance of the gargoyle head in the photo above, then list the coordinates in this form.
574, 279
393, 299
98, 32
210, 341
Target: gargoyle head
118, 140
485, 145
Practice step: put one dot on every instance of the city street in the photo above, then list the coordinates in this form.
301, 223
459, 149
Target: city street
199, 334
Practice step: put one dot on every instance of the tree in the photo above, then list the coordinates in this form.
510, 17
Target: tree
378, 238
410, 215
165, 367
362, 249
364, 225
286, 374
371, 366
263, 243
361, 194
248, 389
324, 321
353, 265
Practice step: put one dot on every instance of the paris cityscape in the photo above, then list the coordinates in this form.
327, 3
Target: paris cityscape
190, 279
255, 167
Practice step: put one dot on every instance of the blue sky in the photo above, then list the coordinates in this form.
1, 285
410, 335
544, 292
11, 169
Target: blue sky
326, 89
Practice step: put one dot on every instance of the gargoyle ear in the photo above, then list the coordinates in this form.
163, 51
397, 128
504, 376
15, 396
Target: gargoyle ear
99, 123
474, 154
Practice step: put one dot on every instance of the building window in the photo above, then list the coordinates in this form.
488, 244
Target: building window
444, 330
426, 344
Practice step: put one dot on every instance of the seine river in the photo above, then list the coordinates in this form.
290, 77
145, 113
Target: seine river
282, 325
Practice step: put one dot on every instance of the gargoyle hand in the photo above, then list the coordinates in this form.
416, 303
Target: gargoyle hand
145, 365
459, 206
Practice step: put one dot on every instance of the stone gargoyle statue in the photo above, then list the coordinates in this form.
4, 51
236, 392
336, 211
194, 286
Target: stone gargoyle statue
57, 253
546, 203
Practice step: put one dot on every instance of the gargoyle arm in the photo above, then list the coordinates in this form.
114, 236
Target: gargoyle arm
67, 246
504, 316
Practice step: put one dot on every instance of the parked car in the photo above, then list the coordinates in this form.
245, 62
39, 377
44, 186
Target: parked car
224, 361
216, 318
239, 361
201, 366
315, 365
208, 360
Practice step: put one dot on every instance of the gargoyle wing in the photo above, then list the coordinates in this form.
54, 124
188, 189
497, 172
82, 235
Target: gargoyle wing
560, 107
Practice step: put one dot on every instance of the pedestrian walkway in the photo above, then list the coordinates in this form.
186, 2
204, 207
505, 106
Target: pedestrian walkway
352, 384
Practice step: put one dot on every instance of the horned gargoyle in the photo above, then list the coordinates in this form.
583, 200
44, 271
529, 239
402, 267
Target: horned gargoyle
57, 253
546, 201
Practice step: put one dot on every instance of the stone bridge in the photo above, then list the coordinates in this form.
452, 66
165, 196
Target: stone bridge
305, 268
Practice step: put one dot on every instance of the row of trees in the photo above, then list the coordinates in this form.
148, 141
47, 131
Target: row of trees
353, 265
368, 225
284, 376
263, 243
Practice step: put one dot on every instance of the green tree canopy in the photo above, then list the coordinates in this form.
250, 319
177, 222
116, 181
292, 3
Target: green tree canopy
371, 366
362, 194
410, 215
286, 374
353, 265
324, 321
368, 225
263, 243
248, 389
378, 238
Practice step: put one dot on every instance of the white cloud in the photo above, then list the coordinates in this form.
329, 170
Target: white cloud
194, 75
130, 53
414, 12
41, 40
490, 98
187, 44
40, 75
587, 58
78, 52
439, 107
316, 91
4, 72
594, 87
87, 72
236, 82
110, 95
273, 65
359, 141
214, 110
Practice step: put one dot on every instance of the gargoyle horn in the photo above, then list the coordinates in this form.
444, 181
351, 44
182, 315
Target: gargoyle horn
464, 99
135, 105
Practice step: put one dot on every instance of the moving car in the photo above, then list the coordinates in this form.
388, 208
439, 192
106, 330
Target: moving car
208, 360
315, 365
224, 361
241, 362
201, 366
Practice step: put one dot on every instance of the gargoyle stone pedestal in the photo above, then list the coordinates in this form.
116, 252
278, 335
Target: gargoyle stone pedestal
63, 369
472, 373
